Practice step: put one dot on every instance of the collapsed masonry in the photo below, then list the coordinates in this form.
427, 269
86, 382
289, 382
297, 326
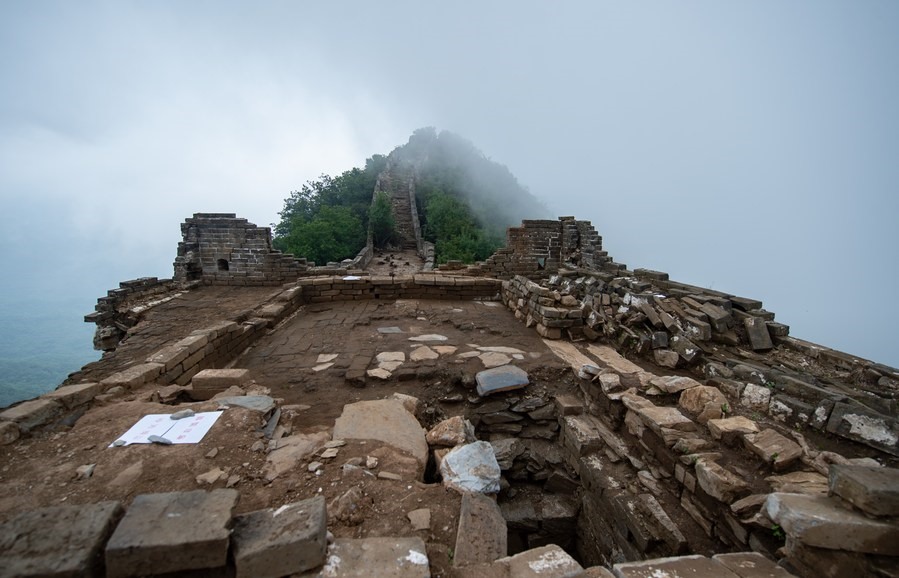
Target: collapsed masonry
647, 461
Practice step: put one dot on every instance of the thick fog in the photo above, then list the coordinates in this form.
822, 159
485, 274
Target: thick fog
751, 148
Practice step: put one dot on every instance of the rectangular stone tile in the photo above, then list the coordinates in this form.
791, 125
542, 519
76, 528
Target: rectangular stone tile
280, 541
874, 490
482, 534
172, 532
58, 541
693, 566
751, 565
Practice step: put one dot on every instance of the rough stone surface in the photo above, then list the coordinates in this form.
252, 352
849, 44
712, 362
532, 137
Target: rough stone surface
719, 482
72, 396
172, 532
504, 378
757, 331
58, 541
451, 432
471, 468
705, 401
482, 534
290, 451
9, 432
773, 448
692, 566
382, 557
280, 541
547, 562
33, 413
820, 521
730, 429
385, 420
750, 565
865, 426
873, 490
756, 397
674, 383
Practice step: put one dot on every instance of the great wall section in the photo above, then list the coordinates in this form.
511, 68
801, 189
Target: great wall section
547, 412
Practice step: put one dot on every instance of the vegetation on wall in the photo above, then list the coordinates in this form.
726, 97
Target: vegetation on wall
465, 202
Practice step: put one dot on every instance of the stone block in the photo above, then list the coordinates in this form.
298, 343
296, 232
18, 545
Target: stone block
499, 379
280, 541
208, 382
751, 565
704, 401
730, 430
872, 490
580, 434
757, 331
32, 413
172, 532
657, 418
773, 448
822, 522
133, 377
694, 566
72, 396
863, 425
547, 562
482, 534
381, 557
58, 541
719, 482
569, 405
471, 468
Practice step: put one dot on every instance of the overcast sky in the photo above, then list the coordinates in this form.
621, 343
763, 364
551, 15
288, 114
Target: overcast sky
749, 147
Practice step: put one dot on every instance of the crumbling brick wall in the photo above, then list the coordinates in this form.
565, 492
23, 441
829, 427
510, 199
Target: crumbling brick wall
221, 249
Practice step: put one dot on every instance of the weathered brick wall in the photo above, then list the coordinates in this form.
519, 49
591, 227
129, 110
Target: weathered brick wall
221, 249
422, 286
121, 308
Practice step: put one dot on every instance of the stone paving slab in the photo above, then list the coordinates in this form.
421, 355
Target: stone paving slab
751, 565
482, 535
692, 566
384, 420
874, 490
280, 541
172, 532
498, 379
59, 541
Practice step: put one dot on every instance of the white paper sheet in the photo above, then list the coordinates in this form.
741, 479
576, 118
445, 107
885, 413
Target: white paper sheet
189, 430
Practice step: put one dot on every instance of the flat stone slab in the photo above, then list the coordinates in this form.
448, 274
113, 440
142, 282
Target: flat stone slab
874, 490
865, 426
57, 541
693, 566
773, 448
820, 521
382, 557
719, 482
33, 413
482, 535
497, 379
72, 396
751, 565
547, 562
280, 541
422, 353
385, 420
429, 337
261, 403
730, 429
172, 532
389, 330
207, 383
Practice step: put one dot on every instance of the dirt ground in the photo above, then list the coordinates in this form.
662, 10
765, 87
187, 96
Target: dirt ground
42, 470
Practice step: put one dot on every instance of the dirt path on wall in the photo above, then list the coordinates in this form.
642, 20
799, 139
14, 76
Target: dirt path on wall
405, 262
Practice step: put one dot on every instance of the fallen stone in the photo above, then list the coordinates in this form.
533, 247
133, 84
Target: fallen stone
756, 397
499, 379
820, 521
674, 383
211, 477
85, 471
666, 358
322, 367
382, 475
57, 540
471, 468
172, 532
350, 508
385, 420
872, 490
730, 430
261, 403
9, 432
423, 353
705, 401
757, 331
280, 541
451, 432
657, 418
207, 383
719, 482
330, 453
182, 414
773, 448
548, 562
381, 557
291, 451
482, 534
506, 450
444, 349
863, 425
314, 466
389, 330
492, 359
159, 440
685, 349
326, 357
420, 519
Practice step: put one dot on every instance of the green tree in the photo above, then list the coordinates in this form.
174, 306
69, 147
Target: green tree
334, 233
380, 219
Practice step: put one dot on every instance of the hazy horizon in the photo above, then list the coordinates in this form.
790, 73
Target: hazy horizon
747, 148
